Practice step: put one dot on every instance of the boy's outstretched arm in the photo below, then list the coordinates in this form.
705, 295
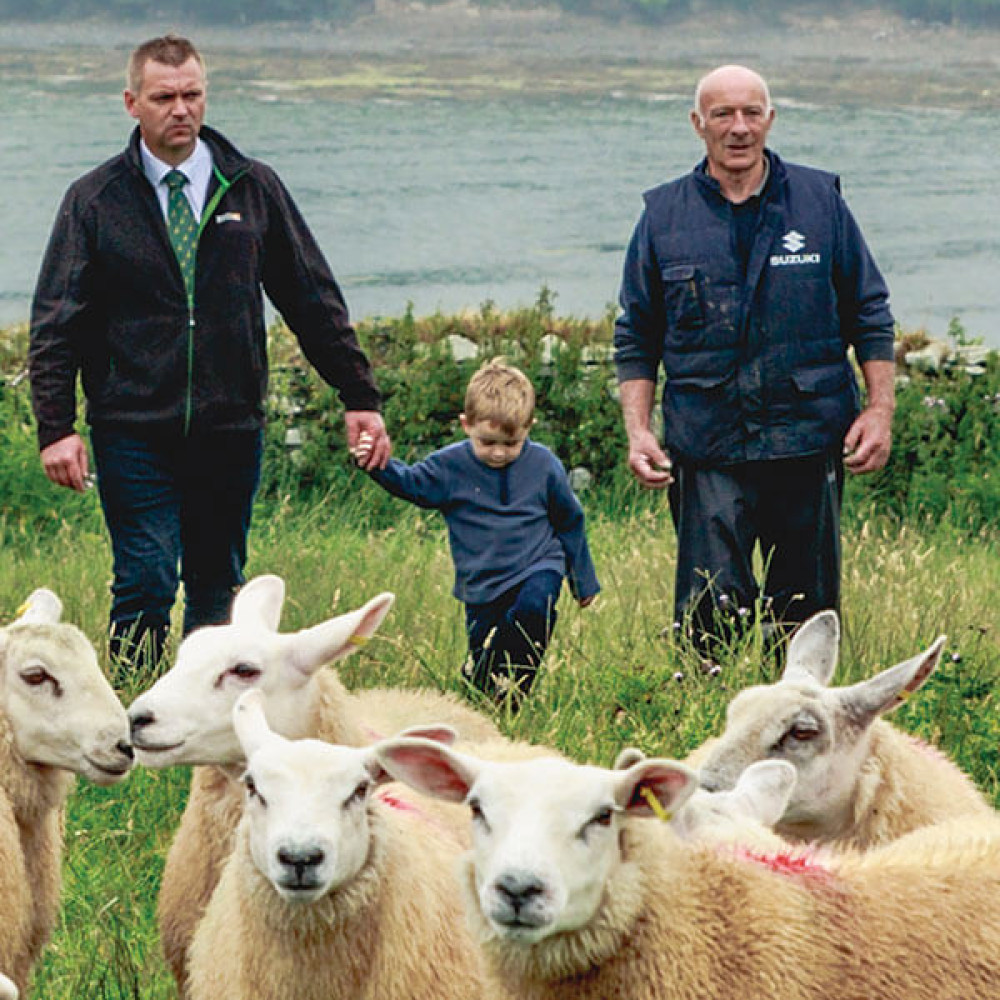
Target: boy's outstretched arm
422, 484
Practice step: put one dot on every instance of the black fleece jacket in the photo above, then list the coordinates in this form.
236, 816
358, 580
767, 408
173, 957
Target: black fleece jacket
110, 303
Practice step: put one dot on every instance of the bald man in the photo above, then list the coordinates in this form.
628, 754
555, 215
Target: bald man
748, 280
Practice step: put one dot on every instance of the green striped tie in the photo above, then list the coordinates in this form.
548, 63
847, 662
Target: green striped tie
182, 226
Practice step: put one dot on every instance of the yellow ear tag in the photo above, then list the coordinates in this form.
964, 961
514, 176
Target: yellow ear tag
23, 609
654, 803
357, 640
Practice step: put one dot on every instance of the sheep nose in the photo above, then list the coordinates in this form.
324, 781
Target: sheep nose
301, 860
125, 749
518, 890
139, 721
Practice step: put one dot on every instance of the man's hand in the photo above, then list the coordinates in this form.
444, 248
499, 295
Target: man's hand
585, 602
648, 461
65, 463
868, 441
366, 435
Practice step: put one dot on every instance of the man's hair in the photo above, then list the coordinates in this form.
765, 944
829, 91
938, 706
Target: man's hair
171, 50
500, 394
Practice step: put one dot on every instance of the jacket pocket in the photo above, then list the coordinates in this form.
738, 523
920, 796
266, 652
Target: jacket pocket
682, 297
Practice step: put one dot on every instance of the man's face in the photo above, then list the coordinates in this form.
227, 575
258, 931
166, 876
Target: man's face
169, 106
734, 121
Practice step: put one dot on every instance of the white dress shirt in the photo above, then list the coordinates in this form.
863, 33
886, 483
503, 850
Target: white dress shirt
197, 168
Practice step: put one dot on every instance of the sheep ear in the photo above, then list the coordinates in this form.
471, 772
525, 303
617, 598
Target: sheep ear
654, 787
889, 689
250, 722
258, 602
436, 733
764, 790
813, 649
42, 607
332, 640
627, 757
428, 767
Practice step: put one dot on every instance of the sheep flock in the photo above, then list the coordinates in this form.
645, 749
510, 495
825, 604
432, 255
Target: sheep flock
390, 844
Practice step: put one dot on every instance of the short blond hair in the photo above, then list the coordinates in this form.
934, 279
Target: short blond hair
501, 394
171, 50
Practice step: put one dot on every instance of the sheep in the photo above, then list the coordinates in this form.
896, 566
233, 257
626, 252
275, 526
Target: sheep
58, 716
8, 991
576, 896
332, 890
186, 718
745, 815
861, 782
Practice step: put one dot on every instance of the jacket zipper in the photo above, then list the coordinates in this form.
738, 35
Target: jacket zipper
224, 185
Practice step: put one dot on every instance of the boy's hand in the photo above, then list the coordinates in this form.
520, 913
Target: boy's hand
585, 602
361, 451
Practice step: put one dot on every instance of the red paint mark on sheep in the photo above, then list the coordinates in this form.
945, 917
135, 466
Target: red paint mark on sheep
803, 865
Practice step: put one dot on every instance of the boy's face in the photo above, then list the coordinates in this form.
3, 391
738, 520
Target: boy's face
491, 444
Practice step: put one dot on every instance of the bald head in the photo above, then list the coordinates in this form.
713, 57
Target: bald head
724, 80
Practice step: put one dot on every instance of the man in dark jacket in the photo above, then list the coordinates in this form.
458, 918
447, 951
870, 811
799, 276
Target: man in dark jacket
748, 280
151, 288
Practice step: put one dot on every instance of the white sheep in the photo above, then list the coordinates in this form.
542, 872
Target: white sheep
8, 991
58, 716
575, 895
186, 718
332, 890
861, 782
744, 815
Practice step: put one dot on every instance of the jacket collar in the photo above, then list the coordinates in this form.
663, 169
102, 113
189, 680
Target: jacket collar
225, 155
777, 176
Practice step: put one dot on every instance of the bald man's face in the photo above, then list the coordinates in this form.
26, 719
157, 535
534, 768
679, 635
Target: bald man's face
734, 121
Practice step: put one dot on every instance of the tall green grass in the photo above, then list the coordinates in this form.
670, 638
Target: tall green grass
611, 677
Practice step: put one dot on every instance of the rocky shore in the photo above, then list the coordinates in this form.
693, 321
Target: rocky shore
455, 48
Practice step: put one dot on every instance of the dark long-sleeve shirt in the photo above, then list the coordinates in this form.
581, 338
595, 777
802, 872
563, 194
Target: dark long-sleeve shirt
503, 524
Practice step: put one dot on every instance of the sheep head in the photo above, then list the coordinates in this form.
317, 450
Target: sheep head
186, 716
307, 804
60, 708
824, 732
546, 832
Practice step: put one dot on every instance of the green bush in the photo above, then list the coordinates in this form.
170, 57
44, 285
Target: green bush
943, 468
945, 456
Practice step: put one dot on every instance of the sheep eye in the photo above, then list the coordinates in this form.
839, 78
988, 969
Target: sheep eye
37, 676
802, 734
359, 794
601, 818
245, 671
478, 816
251, 787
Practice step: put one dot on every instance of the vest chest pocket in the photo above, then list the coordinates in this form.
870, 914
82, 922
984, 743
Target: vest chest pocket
682, 298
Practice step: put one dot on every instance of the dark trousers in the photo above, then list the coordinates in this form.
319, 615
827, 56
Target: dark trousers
508, 636
790, 507
177, 508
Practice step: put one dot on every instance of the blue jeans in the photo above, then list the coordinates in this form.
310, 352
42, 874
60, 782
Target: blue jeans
176, 508
510, 634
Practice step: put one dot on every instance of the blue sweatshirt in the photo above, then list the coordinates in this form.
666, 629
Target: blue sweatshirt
503, 524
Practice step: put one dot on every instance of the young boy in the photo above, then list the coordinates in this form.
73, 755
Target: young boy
515, 528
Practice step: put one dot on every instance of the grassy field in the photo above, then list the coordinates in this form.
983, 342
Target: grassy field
610, 679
